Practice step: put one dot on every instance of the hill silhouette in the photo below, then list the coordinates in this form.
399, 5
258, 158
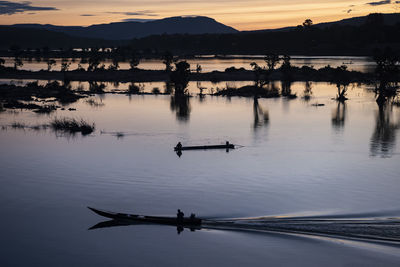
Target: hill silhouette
134, 29
38, 38
390, 19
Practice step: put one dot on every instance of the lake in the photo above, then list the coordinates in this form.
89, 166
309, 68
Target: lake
208, 63
294, 158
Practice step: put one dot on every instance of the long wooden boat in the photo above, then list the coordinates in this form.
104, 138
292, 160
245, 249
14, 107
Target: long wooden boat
147, 219
230, 146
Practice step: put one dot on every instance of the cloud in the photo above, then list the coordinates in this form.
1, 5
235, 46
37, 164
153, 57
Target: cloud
379, 3
146, 13
87, 15
349, 11
10, 8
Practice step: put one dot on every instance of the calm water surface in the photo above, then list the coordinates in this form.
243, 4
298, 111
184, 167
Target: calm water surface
297, 159
364, 64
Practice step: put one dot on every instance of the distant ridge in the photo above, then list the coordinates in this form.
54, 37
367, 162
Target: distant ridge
389, 19
135, 29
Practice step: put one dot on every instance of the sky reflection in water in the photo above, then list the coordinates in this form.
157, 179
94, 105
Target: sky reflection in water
297, 158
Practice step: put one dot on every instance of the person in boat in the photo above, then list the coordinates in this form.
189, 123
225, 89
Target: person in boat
179, 146
192, 217
179, 216
227, 143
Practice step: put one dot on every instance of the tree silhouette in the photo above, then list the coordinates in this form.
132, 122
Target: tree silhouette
307, 23
168, 59
15, 49
272, 60
286, 65
180, 77
134, 61
50, 63
17, 62
260, 75
135, 89
114, 63
180, 99
94, 61
342, 81
65, 64
198, 68
386, 74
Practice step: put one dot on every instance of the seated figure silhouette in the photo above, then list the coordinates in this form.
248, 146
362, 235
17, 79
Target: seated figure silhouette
179, 217
179, 146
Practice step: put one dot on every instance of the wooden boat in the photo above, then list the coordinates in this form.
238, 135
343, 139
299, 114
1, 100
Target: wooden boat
147, 219
229, 146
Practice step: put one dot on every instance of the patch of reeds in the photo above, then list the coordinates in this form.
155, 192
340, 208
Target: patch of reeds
18, 125
72, 126
94, 103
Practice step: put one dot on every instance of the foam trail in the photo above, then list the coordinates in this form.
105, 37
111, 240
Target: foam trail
378, 229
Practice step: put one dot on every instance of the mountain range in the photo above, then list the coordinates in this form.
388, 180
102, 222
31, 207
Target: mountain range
175, 25
135, 29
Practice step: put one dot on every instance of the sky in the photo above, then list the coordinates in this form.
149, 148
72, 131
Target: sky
240, 14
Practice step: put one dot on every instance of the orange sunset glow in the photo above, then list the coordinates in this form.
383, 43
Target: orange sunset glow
240, 14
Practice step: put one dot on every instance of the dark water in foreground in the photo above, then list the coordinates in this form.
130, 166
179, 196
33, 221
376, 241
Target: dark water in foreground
333, 160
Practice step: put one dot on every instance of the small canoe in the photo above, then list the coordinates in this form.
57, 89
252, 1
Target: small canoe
147, 219
230, 146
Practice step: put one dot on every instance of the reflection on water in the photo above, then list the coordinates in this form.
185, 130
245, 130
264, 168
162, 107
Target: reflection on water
383, 140
47, 182
339, 116
259, 112
364, 64
287, 89
180, 104
307, 91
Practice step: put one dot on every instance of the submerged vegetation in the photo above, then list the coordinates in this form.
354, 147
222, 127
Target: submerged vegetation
386, 73
72, 126
33, 95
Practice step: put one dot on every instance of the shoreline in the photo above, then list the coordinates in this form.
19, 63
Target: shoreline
326, 74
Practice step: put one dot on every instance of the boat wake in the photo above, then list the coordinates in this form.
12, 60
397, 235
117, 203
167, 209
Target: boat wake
378, 229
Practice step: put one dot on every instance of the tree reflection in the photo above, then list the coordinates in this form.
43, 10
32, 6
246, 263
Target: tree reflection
261, 117
181, 105
287, 89
180, 98
168, 87
307, 91
383, 139
201, 93
387, 68
96, 87
339, 116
